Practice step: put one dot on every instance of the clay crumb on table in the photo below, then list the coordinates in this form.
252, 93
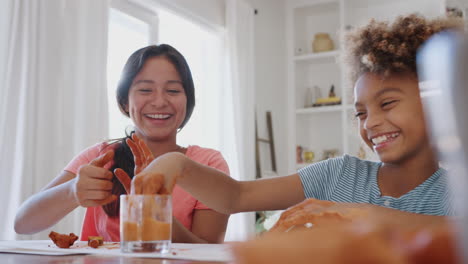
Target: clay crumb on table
95, 241
63, 240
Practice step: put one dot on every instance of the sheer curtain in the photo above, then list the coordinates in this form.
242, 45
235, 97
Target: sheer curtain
239, 126
53, 96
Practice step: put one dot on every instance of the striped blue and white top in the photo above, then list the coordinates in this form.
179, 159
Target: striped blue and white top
349, 179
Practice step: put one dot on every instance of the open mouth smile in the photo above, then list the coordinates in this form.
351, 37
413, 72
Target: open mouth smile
382, 140
158, 116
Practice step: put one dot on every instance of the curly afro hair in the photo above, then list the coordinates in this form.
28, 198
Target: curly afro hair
386, 49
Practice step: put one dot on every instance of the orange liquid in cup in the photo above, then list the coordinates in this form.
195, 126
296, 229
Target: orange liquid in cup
149, 230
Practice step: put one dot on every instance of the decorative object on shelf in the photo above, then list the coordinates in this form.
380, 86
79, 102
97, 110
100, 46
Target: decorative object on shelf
330, 153
299, 154
322, 42
332, 91
332, 99
298, 51
309, 156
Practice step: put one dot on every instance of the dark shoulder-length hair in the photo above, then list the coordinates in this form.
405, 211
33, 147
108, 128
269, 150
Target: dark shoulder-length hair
123, 157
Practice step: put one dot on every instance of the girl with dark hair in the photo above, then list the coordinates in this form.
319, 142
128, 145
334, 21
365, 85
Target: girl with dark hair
156, 91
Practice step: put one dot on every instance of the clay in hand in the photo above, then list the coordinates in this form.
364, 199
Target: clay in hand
145, 181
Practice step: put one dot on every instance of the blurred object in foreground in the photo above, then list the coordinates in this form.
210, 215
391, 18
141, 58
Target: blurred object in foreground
326, 232
351, 243
443, 74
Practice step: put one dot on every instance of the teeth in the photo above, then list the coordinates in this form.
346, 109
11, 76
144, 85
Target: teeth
383, 138
158, 116
378, 140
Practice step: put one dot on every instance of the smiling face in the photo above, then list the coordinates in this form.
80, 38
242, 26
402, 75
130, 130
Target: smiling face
157, 100
390, 116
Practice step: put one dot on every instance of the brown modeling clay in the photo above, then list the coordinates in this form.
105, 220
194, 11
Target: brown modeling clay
63, 240
95, 241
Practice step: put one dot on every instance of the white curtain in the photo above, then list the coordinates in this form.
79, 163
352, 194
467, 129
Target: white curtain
53, 96
239, 126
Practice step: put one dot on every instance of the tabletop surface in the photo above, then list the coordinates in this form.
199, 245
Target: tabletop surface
44, 251
12, 258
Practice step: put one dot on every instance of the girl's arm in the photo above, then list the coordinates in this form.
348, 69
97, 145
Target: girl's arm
47, 207
208, 226
222, 193
92, 186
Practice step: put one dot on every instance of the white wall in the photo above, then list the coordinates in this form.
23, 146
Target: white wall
270, 76
208, 12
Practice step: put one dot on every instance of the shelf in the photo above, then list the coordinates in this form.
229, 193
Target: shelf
322, 109
367, 3
332, 127
319, 109
349, 107
308, 3
331, 55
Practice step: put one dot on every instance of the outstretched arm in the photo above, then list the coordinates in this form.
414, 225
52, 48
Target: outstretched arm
222, 193
90, 187
44, 209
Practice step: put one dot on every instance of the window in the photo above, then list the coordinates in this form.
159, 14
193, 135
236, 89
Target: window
126, 34
202, 50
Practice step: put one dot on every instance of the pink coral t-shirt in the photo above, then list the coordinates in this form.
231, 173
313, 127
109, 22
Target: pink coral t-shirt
97, 223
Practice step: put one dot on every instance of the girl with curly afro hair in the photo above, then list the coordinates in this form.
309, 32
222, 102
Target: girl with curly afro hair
388, 105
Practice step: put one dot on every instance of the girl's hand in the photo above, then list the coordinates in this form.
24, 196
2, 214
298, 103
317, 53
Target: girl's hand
160, 176
93, 183
319, 213
142, 155
160, 179
148, 183
313, 212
